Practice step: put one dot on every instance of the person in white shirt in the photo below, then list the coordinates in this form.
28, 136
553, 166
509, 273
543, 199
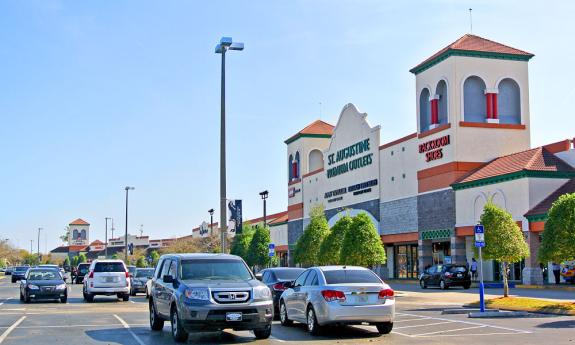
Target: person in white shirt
473, 269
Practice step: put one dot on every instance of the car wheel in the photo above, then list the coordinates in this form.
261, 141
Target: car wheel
312, 325
126, 298
423, 284
467, 286
443, 285
156, 322
64, 299
21, 297
132, 293
26, 298
178, 332
147, 294
384, 327
13, 280
284, 316
263, 333
88, 297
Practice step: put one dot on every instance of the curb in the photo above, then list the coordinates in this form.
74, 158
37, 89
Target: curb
535, 311
546, 287
499, 314
467, 310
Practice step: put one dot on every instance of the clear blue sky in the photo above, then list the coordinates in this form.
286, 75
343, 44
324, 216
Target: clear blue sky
96, 95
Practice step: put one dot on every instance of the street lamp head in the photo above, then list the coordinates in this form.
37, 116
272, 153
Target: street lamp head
211, 211
129, 188
237, 46
264, 194
227, 43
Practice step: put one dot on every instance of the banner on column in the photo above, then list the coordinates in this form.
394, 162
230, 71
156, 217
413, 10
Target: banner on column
235, 216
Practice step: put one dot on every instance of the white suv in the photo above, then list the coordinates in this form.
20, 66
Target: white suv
107, 277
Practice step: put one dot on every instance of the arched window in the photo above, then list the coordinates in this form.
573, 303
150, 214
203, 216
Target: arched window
474, 107
83, 234
508, 102
290, 168
441, 91
424, 110
296, 165
75, 234
315, 160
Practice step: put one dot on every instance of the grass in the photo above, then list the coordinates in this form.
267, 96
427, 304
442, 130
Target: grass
533, 305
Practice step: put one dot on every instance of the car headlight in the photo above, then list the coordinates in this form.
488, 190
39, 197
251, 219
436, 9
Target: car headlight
200, 294
33, 287
61, 287
262, 293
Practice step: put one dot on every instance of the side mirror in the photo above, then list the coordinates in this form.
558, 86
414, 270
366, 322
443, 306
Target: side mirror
168, 279
23, 281
289, 285
65, 278
259, 276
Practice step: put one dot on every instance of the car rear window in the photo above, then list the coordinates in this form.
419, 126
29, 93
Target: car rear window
345, 276
109, 267
209, 269
144, 273
288, 274
457, 269
83, 268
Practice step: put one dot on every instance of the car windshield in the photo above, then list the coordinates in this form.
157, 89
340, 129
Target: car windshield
49, 274
109, 267
131, 269
209, 269
288, 274
345, 276
21, 268
144, 273
83, 268
457, 269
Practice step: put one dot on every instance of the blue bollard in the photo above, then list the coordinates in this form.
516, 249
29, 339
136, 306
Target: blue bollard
481, 297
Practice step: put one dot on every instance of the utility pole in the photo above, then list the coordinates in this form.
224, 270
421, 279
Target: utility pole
106, 243
39, 243
126, 232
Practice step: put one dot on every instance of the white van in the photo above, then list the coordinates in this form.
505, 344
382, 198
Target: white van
107, 277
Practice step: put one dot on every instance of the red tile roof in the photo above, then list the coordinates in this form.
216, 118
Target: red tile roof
544, 206
537, 159
475, 43
79, 221
97, 243
279, 220
269, 218
318, 127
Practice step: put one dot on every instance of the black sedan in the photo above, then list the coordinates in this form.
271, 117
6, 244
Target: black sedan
80, 272
276, 278
43, 283
446, 276
19, 272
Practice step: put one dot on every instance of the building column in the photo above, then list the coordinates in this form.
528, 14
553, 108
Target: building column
434, 103
532, 273
458, 250
424, 254
491, 105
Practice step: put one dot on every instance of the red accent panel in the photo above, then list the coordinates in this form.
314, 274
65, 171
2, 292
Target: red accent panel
491, 125
397, 238
435, 130
434, 112
559, 146
494, 96
489, 103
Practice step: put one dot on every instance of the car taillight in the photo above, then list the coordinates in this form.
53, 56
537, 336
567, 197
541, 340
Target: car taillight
448, 274
386, 294
91, 275
127, 274
333, 295
279, 287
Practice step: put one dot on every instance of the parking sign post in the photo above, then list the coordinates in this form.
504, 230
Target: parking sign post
480, 243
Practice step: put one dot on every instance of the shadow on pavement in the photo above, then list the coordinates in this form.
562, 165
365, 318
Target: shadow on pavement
327, 333
558, 324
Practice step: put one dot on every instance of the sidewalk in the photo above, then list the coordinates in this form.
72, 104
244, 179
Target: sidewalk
496, 285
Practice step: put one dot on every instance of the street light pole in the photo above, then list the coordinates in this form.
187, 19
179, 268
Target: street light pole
106, 243
126, 229
211, 212
31, 244
39, 243
224, 45
264, 196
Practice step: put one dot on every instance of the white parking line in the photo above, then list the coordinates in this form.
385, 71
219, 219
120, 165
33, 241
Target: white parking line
126, 326
6, 300
276, 339
10, 329
407, 320
447, 331
425, 325
472, 323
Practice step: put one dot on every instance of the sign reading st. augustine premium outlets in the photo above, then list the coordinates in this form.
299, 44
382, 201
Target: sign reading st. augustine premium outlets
345, 154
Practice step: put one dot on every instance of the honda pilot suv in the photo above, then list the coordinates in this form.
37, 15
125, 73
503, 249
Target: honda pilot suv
107, 277
208, 292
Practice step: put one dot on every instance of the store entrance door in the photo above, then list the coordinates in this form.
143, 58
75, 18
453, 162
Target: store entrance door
439, 251
406, 261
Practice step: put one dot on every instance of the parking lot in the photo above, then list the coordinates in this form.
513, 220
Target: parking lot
418, 321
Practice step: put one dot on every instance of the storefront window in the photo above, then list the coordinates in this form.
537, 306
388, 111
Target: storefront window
406, 261
439, 251
514, 270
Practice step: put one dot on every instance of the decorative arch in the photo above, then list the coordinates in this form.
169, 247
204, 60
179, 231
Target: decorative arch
83, 234
290, 167
75, 234
478, 205
474, 103
424, 110
296, 165
509, 101
315, 160
442, 105
498, 198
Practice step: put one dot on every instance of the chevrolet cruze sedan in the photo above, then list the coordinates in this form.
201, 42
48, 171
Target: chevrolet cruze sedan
338, 295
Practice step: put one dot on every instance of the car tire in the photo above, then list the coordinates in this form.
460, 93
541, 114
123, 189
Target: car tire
156, 322
132, 292
26, 298
384, 327
64, 299
311, 321
126, 298
88, 297
13, 280
467, 286
423, 284
178, 332
147, 294
443, 285
21, 297
284, 316
263, 333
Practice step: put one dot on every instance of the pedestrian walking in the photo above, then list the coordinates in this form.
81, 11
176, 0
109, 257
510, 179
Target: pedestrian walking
556, 268
473, 269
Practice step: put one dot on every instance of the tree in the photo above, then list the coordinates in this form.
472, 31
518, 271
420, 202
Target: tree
362, 245
258, 249
142, 262
66, 235
330, 249
208, 244
115, 256
155, 257
75, 261
558, 242
66, 261
241, 242
504, 240
307, 246
82, 258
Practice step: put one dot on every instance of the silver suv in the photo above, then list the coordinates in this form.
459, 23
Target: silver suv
208, 292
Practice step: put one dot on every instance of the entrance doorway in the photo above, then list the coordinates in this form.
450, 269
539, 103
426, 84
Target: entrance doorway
406, 261
439, 251
515, 270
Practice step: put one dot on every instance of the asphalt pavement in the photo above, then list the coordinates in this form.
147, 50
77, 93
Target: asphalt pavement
418, 321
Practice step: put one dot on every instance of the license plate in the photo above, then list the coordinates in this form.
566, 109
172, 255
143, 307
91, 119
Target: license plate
110, 279
362, 298
235, 316
459, 275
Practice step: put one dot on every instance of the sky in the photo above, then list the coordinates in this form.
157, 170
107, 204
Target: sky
99, 95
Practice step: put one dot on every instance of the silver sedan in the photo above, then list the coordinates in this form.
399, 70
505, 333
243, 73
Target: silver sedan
338, 295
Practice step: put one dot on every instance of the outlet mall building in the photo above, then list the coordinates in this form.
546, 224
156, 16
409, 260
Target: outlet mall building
425, 191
